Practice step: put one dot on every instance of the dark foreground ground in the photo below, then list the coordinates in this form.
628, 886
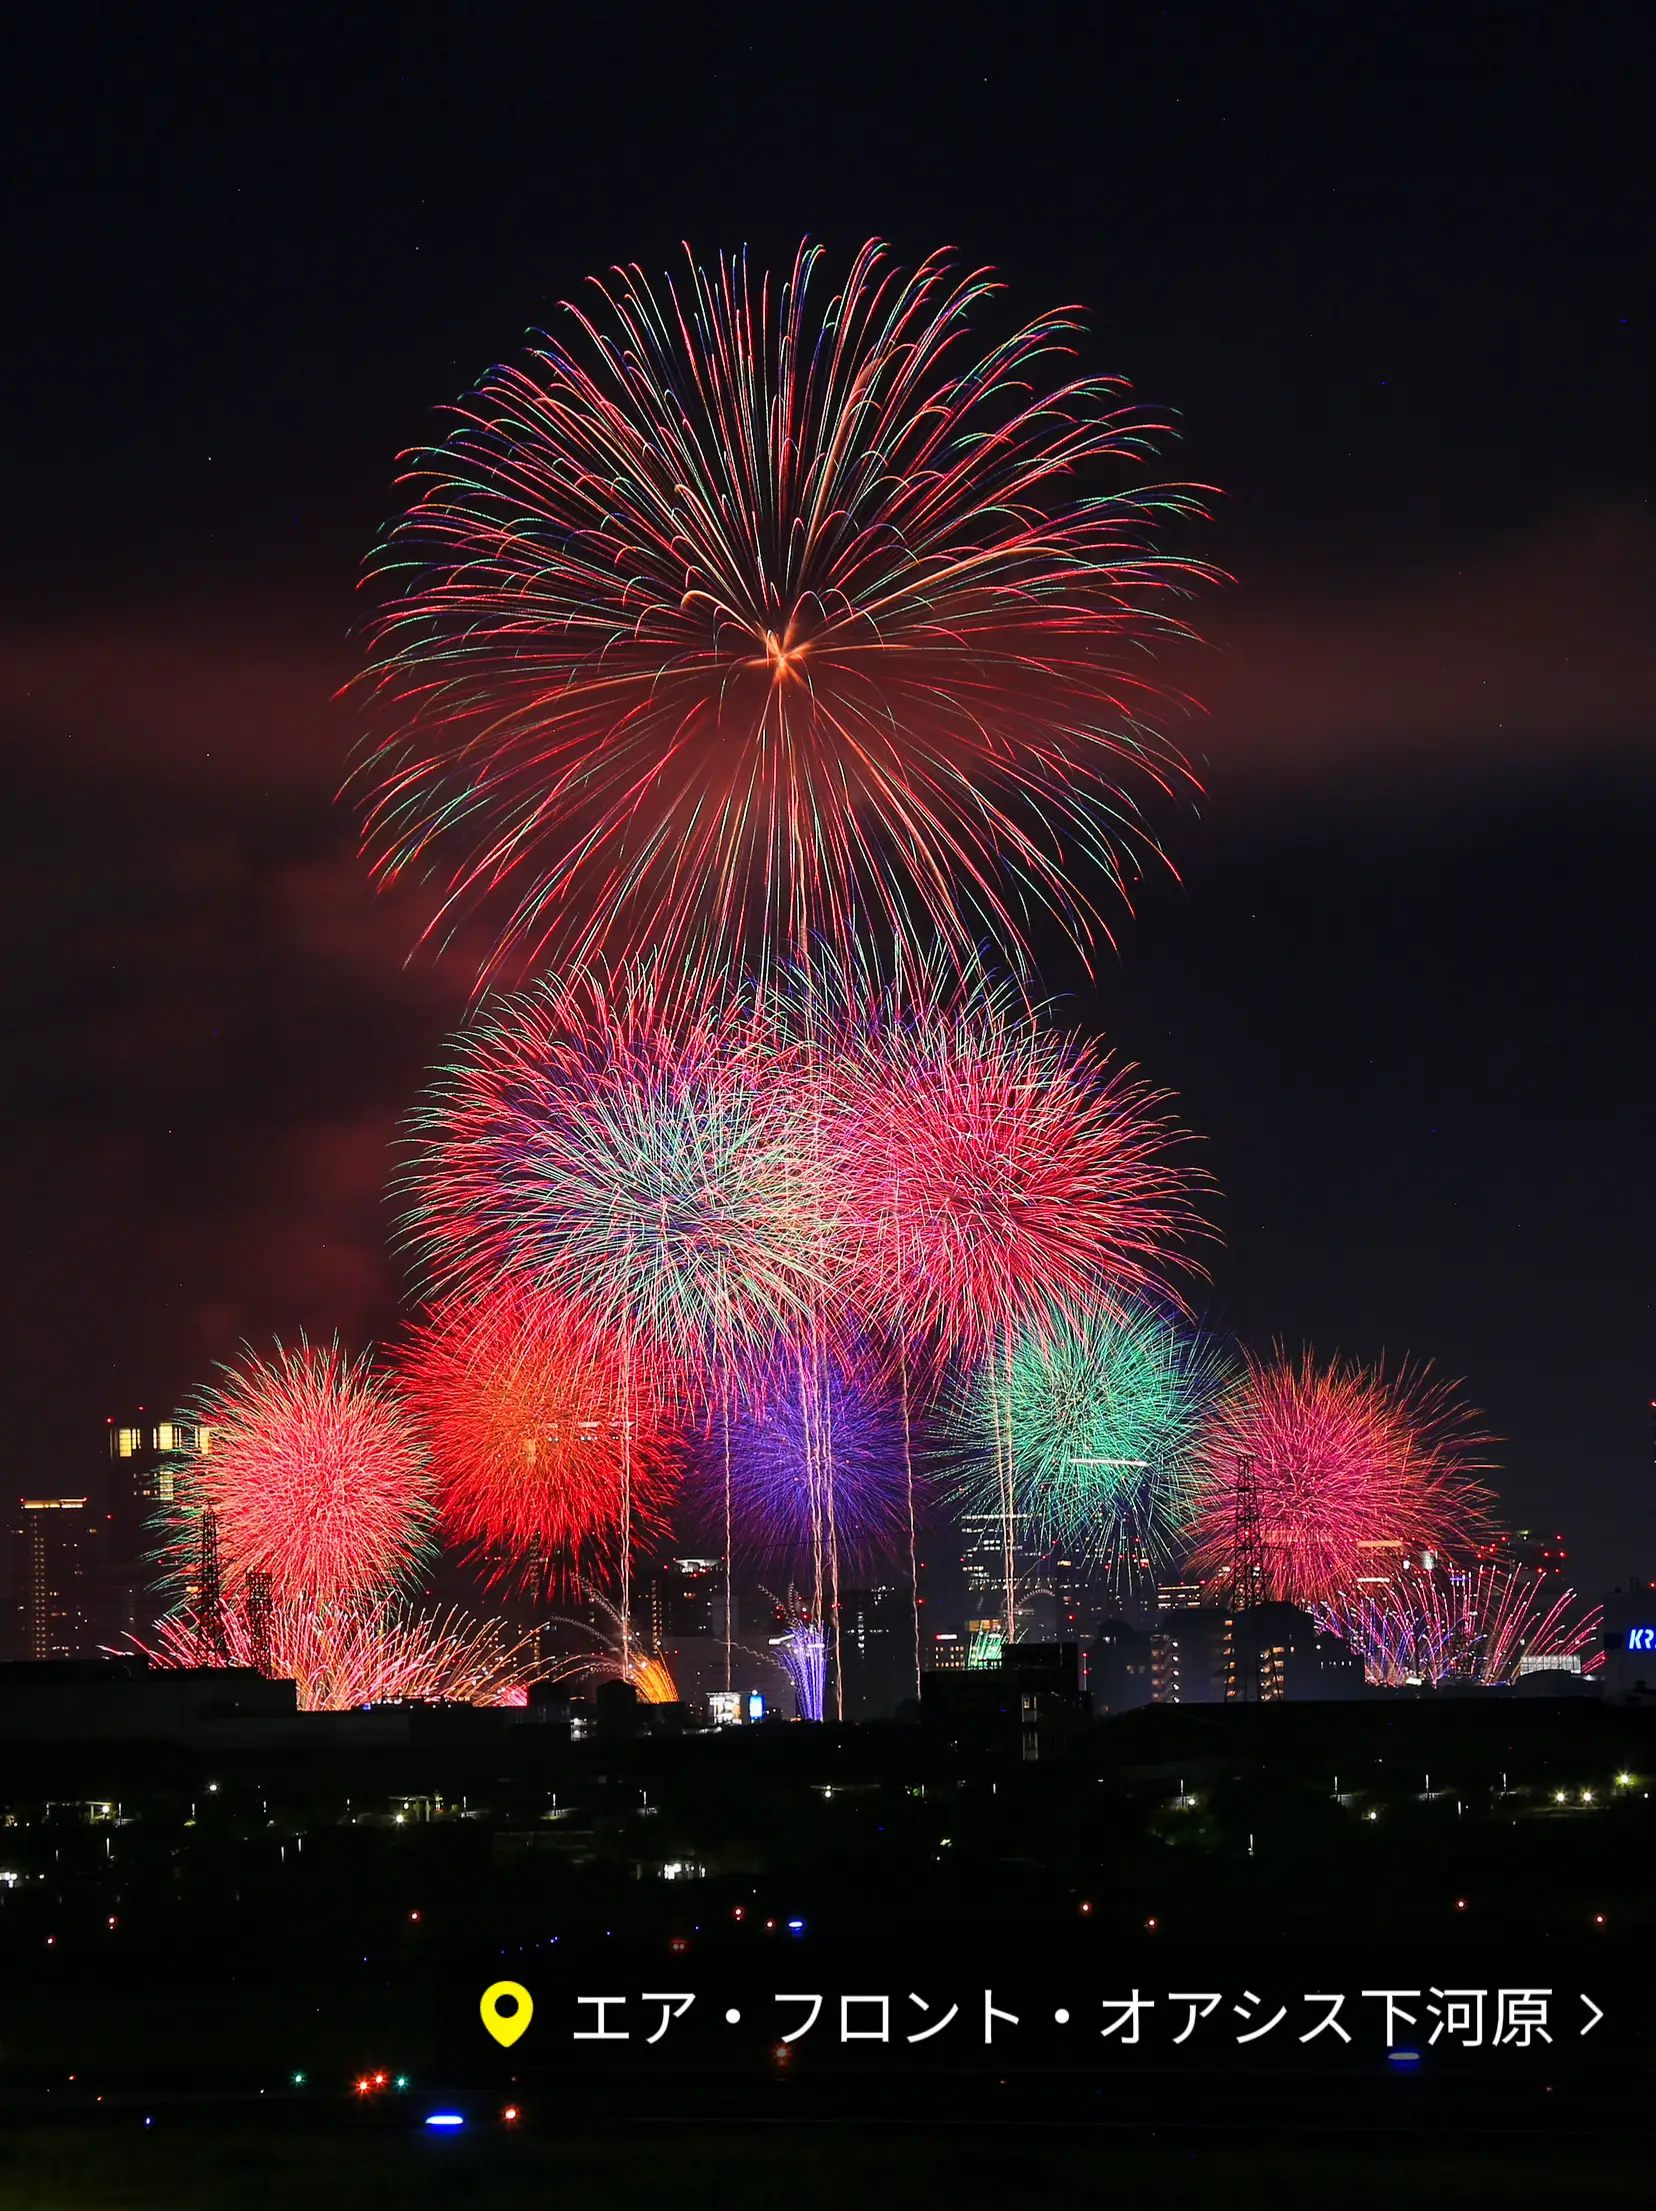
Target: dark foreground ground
189, 2165
228, 1946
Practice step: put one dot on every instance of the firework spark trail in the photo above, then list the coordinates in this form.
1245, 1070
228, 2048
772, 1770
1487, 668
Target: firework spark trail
803, 1656
314, 1475
549, 1454
1096, 1419
1396, 1646
345, 1655
617, 1658
1356, 1469
1476, 1625
741, 621
643, 1165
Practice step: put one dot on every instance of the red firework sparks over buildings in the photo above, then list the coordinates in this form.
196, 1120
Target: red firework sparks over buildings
314, 1475
1482, 1624
549, 1450
752, 616
342, 1656
1355, 1470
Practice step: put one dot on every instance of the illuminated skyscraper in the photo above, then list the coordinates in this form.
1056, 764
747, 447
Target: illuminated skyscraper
143, 1453
55, 1555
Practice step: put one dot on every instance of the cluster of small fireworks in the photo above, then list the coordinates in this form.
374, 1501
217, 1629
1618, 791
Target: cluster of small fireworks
764, 1220
348, 1653
1476, 1625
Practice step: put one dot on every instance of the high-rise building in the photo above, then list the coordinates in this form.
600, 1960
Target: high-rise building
1189, 1655
1037, 1614
56, 1556
1277, 1655
144, 1455
1120, 1668
680, 1609
1178, 1596
682, 1597
876, 1650
1629, 1673
983, 1562
1263, 1654
1072, 1594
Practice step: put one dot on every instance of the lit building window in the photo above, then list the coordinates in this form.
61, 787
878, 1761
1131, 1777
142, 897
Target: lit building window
164, 1436
129, 1442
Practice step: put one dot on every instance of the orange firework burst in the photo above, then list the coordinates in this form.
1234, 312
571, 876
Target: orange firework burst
549, 1447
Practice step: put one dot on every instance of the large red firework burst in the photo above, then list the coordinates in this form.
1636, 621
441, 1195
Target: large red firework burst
995, 1172
314, 1475
1355, 1470
752, 615
550, 1449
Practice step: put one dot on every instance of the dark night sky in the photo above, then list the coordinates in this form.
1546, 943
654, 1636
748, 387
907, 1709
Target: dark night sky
1387, 263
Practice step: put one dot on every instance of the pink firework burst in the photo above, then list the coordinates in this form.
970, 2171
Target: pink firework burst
1355, 1471
996, 1172
314, 1474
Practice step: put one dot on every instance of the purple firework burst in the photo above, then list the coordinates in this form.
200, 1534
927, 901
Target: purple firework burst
812, 1449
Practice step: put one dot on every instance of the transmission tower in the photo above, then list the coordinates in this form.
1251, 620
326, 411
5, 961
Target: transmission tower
212, 1643
1247, 1582
1247, 1543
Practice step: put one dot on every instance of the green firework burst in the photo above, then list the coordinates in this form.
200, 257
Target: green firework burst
1096, 1414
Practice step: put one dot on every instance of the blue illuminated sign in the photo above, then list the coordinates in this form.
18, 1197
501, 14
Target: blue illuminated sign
1641, 1639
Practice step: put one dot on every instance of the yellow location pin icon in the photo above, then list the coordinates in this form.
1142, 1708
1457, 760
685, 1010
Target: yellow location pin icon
507, 2023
